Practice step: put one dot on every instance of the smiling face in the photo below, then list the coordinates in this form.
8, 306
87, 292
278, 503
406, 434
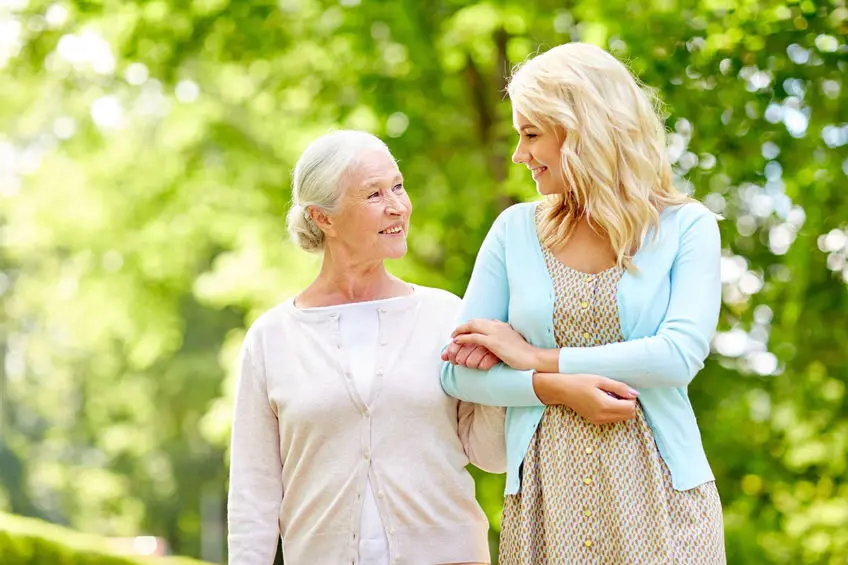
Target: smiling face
373, 215
540, 151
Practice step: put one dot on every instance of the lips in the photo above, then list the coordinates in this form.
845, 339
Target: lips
538, 171
393, 230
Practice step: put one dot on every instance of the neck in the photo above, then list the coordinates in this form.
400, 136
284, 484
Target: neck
343, 280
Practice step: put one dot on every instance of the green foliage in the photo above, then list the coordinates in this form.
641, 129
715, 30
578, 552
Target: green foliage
144, 161
25, 541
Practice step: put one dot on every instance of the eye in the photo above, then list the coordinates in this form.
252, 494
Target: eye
531, 135
398, 188
373, 195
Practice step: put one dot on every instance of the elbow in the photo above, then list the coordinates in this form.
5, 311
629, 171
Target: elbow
491, 459
680, 373
683, 364
493, 465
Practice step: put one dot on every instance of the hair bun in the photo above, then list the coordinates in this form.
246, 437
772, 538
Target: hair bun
303, 230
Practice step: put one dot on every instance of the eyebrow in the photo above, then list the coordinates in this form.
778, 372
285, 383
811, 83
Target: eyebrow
376, 183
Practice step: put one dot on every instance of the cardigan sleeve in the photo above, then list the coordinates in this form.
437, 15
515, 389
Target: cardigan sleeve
256, 484
481, 431
674, 355
487, 296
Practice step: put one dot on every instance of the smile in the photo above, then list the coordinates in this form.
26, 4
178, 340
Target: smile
393, 230
538, 171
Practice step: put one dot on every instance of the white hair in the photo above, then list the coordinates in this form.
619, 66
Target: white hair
318, 181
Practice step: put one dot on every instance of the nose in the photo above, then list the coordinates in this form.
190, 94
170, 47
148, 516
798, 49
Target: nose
395, 205
520, 155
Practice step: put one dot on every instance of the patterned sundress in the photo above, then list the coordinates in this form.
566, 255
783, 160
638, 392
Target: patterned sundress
601, 494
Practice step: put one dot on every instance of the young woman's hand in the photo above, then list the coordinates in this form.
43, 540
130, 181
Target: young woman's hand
471, 356
598, 399
502, 341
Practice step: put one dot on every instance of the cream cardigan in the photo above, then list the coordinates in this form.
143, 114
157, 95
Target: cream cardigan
304, 443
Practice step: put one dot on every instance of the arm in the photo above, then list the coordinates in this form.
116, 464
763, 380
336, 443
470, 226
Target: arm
487, 296
673, 356
481, 431
256, 485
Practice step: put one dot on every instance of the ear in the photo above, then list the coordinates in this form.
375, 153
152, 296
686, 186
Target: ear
322, 220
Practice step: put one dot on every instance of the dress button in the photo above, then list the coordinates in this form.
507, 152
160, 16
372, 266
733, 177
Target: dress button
365, 456
383, 310
379, 371
587, 335
589, 451
392, 531
384, 342
584, 304
587, 481
380, 494
587, 513
588, 543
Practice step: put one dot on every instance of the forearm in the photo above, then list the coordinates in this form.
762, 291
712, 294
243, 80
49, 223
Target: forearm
499, 386
657, 361
548, 387
546, 360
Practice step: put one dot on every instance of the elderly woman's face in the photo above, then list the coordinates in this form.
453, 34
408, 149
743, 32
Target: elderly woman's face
373, 219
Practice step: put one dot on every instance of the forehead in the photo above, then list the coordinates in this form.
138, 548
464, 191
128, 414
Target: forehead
372, 166
520, 121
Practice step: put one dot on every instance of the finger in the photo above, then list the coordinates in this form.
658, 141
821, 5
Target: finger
473, 339
475, 356
619, 389
451, 351
474, 326
620, 410
464, 353
489, 361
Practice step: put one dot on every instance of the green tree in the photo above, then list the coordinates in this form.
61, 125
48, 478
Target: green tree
144, 164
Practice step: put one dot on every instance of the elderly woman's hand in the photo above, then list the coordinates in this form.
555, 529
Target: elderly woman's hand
500, 339
471, 356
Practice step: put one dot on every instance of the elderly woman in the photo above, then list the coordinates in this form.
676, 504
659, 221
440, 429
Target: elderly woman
343, 442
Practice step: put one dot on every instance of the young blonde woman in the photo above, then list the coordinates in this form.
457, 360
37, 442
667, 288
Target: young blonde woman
614, 276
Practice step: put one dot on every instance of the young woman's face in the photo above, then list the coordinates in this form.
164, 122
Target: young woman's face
539, 149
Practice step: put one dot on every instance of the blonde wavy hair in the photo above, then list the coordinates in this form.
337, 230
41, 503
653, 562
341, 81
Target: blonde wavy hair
614, 162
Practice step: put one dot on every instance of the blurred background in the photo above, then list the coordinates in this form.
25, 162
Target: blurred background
145, 158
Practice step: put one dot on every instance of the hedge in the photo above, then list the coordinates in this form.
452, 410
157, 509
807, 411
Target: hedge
26, 541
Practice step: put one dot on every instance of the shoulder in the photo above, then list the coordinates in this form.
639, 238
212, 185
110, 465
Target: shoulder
691, 216
512, 220
520, 212
270, 323
437, 298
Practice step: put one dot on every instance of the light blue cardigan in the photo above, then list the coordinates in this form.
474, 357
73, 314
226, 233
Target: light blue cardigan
668, 312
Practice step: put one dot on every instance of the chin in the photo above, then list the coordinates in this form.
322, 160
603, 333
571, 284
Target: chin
397, 252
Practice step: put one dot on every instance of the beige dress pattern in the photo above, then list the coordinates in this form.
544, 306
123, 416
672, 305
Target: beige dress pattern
601, 494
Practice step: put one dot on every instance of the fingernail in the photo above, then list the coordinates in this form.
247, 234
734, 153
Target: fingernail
634, 392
